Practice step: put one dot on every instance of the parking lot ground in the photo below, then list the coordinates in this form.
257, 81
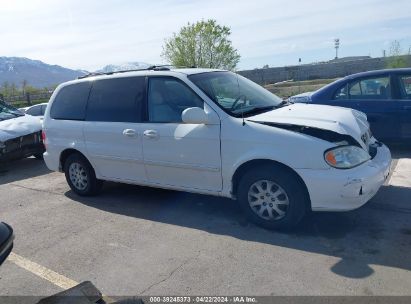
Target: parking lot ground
134, 240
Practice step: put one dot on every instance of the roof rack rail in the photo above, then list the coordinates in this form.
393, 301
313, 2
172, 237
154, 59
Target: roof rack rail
150, 68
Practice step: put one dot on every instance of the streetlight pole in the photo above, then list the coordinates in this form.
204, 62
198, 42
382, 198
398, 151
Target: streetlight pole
299, 75
336, 46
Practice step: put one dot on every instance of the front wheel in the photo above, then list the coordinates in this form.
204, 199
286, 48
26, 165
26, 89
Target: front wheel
273, 197
80, 176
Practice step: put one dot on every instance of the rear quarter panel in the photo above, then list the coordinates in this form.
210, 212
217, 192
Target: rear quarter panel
61, 135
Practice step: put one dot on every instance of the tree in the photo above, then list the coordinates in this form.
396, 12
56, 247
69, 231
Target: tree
13, 89
24, 86
204, 44
396, 58
5, 89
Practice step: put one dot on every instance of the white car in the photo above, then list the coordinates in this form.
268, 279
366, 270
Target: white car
20, 135
36, 110
213, 132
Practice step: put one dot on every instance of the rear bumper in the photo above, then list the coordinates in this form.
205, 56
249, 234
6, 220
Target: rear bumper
52, 161
343, 190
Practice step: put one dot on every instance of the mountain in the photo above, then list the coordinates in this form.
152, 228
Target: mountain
124, 67
36, 73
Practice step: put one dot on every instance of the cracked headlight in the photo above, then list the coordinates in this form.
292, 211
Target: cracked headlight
346, 157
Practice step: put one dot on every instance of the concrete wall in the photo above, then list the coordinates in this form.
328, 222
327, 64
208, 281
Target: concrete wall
332, 69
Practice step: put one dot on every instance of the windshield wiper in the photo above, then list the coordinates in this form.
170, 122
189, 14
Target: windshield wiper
285, 102
257, 110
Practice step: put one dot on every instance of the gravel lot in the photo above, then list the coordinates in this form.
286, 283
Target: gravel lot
134, 240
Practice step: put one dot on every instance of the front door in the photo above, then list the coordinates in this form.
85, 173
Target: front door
177, 154
113, 139
374, 97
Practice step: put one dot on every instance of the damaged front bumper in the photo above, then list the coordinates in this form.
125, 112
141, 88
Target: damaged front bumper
343, 190
21, 147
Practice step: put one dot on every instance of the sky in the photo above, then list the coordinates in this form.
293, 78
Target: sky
89, 34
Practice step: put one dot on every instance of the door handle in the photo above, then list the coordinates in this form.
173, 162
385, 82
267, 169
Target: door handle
129, 132
150, 133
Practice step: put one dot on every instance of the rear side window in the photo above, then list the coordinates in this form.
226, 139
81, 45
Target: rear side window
43, 109
116, 100
70, 103
34, 111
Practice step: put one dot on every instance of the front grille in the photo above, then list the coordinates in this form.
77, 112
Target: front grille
365, 137
373, 151
21, 142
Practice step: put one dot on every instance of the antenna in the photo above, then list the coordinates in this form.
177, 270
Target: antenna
242, 116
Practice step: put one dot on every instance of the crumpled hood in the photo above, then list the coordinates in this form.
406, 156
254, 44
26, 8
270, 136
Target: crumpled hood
337, 119
19, 126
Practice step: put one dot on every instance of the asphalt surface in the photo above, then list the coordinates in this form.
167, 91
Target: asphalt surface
134, 240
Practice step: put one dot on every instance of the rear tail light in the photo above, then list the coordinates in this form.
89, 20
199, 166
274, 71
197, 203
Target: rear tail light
43, 138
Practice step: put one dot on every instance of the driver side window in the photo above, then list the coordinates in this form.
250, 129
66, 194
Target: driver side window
168, 98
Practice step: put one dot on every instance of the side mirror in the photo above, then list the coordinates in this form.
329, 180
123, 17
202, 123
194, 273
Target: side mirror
194, 116
6, 241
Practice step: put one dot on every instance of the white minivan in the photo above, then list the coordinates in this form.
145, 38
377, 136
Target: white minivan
213, 132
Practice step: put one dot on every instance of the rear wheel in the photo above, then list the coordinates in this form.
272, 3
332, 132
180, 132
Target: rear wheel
273, 197
80, 176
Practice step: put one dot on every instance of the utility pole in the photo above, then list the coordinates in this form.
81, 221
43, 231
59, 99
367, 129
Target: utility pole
299, 75
336, 46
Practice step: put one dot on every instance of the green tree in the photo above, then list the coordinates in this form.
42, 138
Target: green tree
24, 84
5, 89
32, 90
204, 44
396, 58
13, 89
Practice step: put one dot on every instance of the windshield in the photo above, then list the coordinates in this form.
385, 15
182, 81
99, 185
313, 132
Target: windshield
7, 112
235, 94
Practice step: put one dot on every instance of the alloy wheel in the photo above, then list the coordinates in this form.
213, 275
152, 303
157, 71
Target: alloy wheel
268, 200
78, 176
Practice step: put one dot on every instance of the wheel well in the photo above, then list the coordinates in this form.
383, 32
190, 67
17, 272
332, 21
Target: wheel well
65, 154
263, 163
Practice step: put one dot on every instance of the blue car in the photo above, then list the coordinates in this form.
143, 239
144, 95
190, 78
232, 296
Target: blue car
384, 95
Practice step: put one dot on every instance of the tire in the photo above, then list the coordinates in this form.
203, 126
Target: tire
80, 176
39, 156
281, 207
